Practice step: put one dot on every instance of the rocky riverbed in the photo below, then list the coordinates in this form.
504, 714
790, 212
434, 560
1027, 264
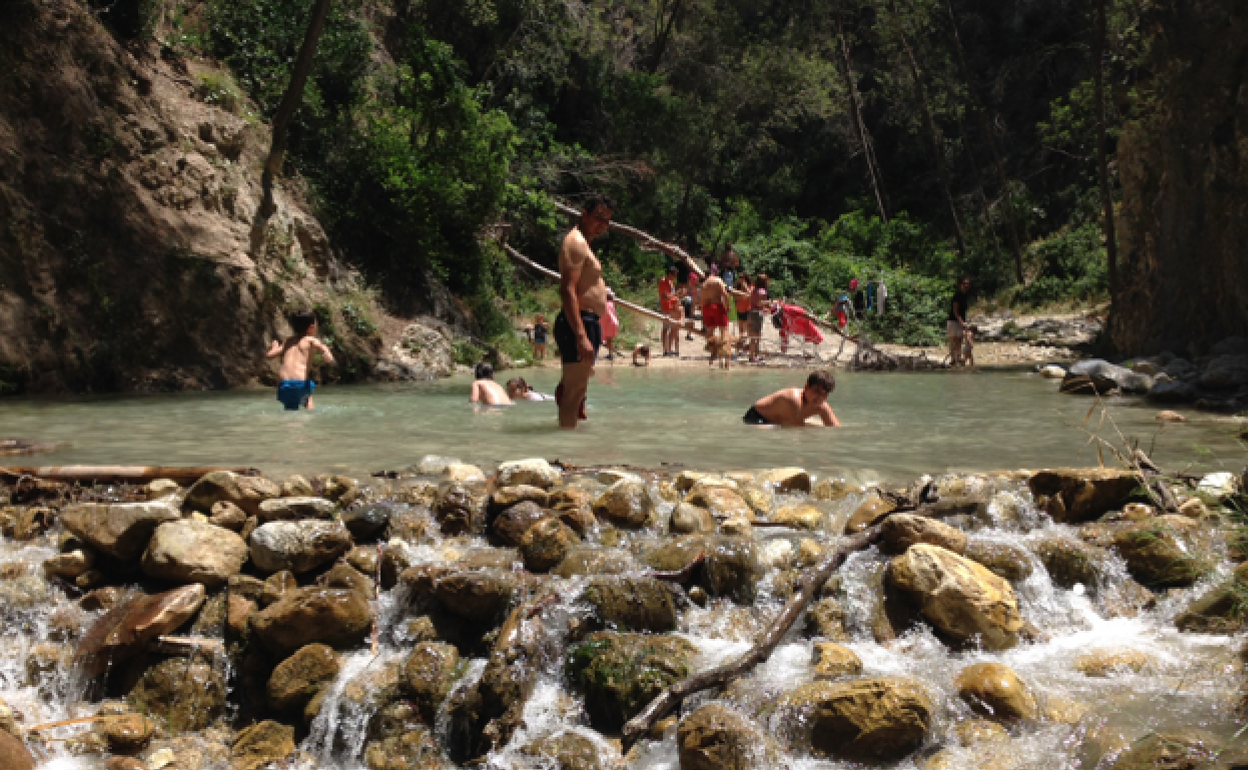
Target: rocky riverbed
517, 617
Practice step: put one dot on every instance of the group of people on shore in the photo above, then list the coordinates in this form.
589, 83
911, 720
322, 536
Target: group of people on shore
718, 302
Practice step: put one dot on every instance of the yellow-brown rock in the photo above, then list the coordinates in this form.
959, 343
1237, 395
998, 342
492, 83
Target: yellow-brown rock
720, 501
993, 690
902, 530
1109, 661
877, 719
833, 661
800, 516
867, 512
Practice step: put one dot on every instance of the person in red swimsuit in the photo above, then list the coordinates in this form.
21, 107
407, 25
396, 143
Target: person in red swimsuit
668, 300
715, 308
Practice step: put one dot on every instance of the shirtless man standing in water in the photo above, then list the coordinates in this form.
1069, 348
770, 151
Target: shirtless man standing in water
584, 298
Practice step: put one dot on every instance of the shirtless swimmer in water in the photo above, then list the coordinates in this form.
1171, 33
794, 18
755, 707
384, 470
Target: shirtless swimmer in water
485, 390
584, 297
791, 407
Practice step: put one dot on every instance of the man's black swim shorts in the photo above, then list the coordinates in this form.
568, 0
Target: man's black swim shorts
752, 417
566, 339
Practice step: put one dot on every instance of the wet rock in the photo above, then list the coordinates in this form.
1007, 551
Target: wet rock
337, 487
70, 564
685, 480
127, 733
1002, 559
228, 516
1070, 562
298, 679
721, 502
534, 473
960, 598
238, 615
1105, 377
298, 546
14, 755
24, 592
491, 558
761, 499
298, 486
1172, 392
428, 674
545, 545
461, 473
295, 509
32, 521
785, 480
632, 603
304, 616
732, 569
459, 511
367, 520
1052, 372
806, 517
1186, 750
125, 631
975, 731
567, 751
276, 586
833, 661
118, 529
1168, 416
103, 598
621, 673
826, 619
584, 560
902, 530
413, 750
736, 526
258, 745
345, 576
192, 551
365, 558
124, 763
247, 492
477, 596
993, 690
1062, 710
833, 490
505, 497
1194, 509
691, 519
715, 737
189, 695
45, 660
1158, 556
625, 504
511, 525
877, 719
1106, 662
1217, 611
1074, 495
868, 512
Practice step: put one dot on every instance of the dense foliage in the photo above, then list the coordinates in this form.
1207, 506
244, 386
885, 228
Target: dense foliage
909, 139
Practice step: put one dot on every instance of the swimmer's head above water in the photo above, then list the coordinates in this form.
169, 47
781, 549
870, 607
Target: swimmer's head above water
484, 371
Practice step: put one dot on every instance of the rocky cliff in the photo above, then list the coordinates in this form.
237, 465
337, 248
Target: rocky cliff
1184, 171
131, 256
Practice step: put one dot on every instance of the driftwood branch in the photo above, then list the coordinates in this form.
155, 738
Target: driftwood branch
648, 242
672, 696
1151, 475
186, 645
128, 474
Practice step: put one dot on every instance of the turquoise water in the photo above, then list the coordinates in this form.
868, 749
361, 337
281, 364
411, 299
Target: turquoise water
896, 426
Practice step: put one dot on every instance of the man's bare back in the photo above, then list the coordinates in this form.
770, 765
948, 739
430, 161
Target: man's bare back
295, 354
490, 393
714, 292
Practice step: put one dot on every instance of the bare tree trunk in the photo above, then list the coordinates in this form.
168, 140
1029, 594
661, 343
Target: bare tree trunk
860, 127
1102, 162
290, 103
663, 31
1002, 180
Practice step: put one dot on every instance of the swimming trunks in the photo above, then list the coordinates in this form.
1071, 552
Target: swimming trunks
752, 417
714, 316
566, 339
295, 393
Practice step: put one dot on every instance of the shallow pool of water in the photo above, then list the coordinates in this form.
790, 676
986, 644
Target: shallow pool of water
895, 426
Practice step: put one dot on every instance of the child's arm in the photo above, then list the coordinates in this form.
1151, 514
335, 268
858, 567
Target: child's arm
322, 348
475, 396
275, 349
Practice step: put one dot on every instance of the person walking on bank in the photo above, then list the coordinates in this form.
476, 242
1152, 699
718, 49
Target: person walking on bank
583, 295
955, 326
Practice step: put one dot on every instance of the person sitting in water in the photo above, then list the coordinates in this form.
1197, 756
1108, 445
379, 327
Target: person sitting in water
519, 390
642, 351
485, 390
296, 389
792, 407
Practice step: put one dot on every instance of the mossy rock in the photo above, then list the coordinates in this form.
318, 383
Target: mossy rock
621, 673
1070, 562
428, 675
187, 696
414, 750
1158, 557
632, 604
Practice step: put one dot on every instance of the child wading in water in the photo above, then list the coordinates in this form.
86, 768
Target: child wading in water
296, 389
539, 337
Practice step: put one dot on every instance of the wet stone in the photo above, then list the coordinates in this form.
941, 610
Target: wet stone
877, 719
993, 690
510, 525
632, 603
332, 616
834, 661
297, 679
546, 544
190, 695
714, 737
621, 673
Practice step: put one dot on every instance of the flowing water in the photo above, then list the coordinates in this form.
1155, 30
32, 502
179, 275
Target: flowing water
896, 426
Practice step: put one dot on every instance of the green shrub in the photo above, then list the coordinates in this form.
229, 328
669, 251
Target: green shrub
220, 90
1071, 267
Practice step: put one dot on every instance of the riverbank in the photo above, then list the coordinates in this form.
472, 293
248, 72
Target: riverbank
521, 614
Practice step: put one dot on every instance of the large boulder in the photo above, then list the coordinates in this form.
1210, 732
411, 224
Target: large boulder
876, 719
247, 492
714, 737
1104, 377
124, 632
303, 616
189, 695
296, 680
510, 525
192, 551
533, 472
545, 545
1074, 495
298, 546
963, 600
295, 509
632, 603
626, 504
428, 674
118, 529
785, 479
257, 746
993, 690
1159, 556
479, 596
902, 530
621, 673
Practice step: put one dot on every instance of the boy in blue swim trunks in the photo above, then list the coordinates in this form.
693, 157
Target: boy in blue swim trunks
296, 389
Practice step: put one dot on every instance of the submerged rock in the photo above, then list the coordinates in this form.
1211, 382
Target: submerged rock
714, 737
585, 560
118, 529
1007, 561
332, 616
993, 690
960, 598
621, 673
191, 551
247, 492
125, 631
1074, 495
298, 546
298, 679
1070, 562
800, 516
1221, 610
877, 719
1186, 750
834, 489
785, 480
625, 503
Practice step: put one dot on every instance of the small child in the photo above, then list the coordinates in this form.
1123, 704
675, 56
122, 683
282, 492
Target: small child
644, 352
968, 345
539, 337
519, 390
296, 389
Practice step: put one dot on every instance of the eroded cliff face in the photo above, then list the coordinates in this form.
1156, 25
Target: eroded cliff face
1184, 171
131, 256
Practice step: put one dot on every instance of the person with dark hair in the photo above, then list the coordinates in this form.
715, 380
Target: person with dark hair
578, 330
295, 389
760, 304
792, 407
519, 390
485, 390
955, 326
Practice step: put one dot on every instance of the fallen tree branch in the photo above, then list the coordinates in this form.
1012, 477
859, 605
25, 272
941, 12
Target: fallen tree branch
672, 696
186, 645
129, 474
